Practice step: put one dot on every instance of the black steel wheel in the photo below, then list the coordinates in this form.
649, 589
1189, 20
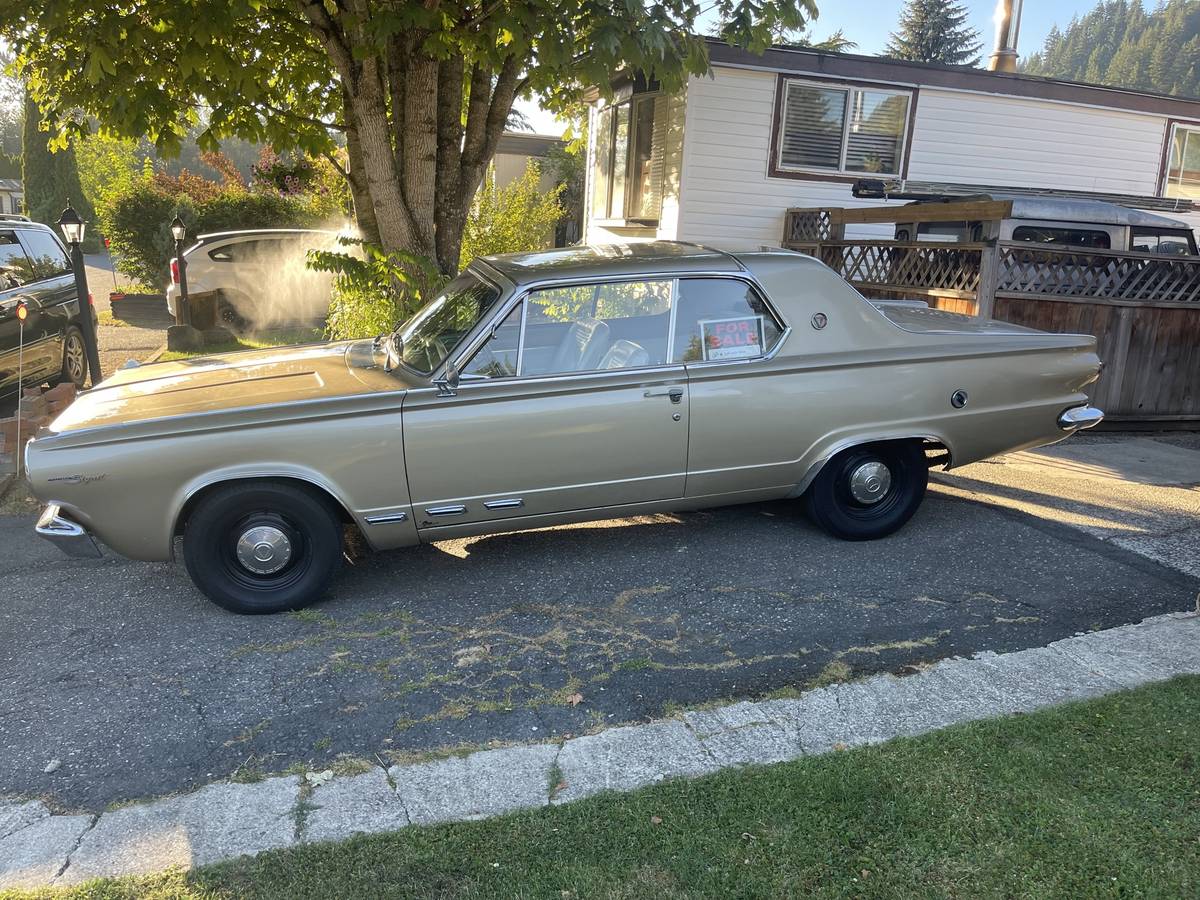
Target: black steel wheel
262, 547
869, 491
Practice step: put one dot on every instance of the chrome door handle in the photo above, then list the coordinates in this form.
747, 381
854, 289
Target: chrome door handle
675, 393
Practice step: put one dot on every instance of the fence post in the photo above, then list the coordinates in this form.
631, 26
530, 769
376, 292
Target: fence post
989, 271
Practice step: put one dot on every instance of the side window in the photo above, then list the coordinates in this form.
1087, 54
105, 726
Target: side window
613, 325
250, 251
497, 358
15, 268
721, 318
47, 258
1076, 237
1165, 243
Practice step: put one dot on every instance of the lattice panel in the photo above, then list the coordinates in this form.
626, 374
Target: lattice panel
917, 265
808, 225
1102, 276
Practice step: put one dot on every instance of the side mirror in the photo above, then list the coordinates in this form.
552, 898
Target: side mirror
447, 385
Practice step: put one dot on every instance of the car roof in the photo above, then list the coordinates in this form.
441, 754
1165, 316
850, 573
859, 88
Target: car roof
1070, 209
592, 260
16, 220
258, 232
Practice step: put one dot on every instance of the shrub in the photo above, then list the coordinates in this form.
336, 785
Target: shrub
516, 217
137, 218
373, 291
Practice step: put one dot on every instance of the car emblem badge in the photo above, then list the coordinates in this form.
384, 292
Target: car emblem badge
77, 479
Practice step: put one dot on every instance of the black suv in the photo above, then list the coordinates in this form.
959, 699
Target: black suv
35, 270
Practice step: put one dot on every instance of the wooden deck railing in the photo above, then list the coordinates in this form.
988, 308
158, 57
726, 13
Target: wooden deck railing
1143, 309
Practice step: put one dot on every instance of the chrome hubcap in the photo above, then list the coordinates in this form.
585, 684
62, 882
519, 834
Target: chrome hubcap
264, 550
869, 482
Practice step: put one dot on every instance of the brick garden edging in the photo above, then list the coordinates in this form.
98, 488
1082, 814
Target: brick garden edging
224, 820
37, 407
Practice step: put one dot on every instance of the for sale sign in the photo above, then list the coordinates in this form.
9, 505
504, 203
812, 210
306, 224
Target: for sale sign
738, 338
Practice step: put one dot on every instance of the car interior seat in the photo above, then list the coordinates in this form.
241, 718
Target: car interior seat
581, 347
624, 355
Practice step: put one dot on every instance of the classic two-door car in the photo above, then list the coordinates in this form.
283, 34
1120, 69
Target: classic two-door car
547, 388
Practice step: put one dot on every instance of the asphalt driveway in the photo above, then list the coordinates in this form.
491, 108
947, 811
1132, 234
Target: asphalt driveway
138, 686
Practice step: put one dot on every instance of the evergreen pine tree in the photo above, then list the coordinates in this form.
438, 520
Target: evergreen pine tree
1119, 43
51, 179
935, 31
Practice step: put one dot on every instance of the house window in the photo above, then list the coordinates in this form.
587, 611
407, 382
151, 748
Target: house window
1183, 166
841, 129
627, 170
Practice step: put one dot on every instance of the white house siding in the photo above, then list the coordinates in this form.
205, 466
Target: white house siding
726, 196
671, 162
991, 139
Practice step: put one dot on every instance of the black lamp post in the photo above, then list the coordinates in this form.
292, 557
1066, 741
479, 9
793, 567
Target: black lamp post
72, 228
183, 315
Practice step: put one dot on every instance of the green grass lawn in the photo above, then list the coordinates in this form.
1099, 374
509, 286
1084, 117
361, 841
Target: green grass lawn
251, 342
1097, 799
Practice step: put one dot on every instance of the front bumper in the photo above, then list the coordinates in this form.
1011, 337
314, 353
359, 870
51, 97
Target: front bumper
70, 537
1080, 417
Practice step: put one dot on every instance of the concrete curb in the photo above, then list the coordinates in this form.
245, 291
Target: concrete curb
224, 820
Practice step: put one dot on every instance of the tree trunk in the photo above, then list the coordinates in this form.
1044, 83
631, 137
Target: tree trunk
368, 110
419, 150
448, 214
413, 165
356, 176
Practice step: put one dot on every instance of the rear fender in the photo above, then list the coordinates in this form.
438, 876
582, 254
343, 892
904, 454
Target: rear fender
831, 446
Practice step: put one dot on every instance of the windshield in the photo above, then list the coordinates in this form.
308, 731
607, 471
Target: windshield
430, 335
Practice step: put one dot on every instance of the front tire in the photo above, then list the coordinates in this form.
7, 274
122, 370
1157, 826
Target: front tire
869, 491
261, 547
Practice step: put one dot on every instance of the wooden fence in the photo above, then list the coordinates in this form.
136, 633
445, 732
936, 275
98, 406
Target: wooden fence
1143, 309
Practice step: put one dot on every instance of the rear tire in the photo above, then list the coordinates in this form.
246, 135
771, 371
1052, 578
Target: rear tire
869, 491
229, 317
74, 365
262, 547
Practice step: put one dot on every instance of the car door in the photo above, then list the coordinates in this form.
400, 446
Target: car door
15, 271
571, 404
746, 415
53, 302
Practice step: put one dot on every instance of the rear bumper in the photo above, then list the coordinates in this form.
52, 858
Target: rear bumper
1080, 417
70, 537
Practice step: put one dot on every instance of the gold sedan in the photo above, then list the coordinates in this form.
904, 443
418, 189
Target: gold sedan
545, 388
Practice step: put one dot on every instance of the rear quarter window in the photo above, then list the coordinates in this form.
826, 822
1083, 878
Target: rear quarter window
722, 319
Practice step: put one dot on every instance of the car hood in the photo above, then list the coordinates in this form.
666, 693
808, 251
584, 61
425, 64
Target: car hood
232, 381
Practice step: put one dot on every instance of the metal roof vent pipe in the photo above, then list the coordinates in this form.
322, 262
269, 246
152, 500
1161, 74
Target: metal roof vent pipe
1008, 25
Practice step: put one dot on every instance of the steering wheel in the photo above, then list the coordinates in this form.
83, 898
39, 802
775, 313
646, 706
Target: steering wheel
434, 350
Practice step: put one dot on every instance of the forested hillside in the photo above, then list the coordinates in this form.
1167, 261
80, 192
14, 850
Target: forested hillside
1119, 43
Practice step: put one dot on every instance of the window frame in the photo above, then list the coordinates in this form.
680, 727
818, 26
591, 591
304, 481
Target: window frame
1136, 231
1164, 168
24, 243
475, 345
775, 166
631, 101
